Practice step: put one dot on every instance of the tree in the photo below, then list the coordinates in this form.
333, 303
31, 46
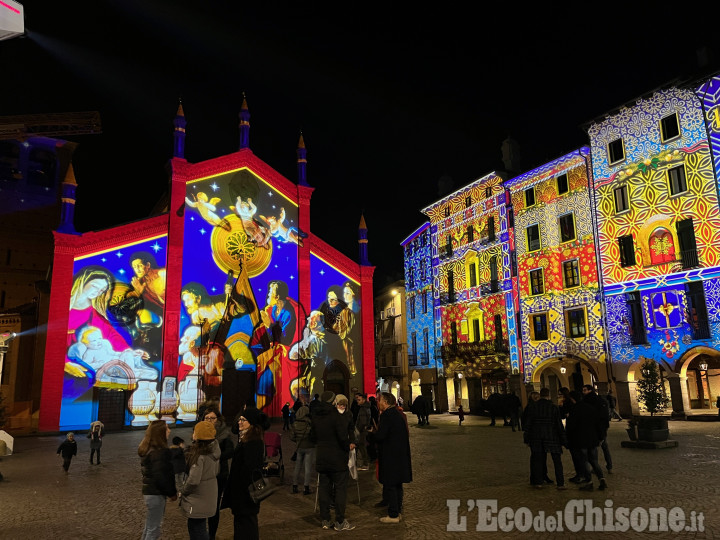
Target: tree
650, 390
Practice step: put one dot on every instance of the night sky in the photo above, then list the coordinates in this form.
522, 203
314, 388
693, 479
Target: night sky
390, 99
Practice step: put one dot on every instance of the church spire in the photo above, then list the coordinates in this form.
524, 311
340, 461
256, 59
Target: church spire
67, 212
302, 162
179, 136
362, 241
244, 124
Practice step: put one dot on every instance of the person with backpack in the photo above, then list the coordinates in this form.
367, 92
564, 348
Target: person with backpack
97, 431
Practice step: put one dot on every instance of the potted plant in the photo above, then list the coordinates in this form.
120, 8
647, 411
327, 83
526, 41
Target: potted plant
632, 429
650, 392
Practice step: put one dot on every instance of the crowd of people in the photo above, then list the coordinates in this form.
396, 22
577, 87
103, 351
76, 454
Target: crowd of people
216, 468
580, 424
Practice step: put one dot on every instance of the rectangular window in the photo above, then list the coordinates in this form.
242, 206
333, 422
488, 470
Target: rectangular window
562, 184
571, 273
476, 330
472, 275
447, 211
669, 127
696, 314
411, 277
676, 179
688, 247
533, 237
627, 251
620, 195
636, 324
576, 322
488, 192
616, 151
453, 332
412, 307
424, 302
529, 197
567, 228
498, 330
468, 201
451, 285
511, 218
470, 234
491, 228
426, 342
539, 327
537, 283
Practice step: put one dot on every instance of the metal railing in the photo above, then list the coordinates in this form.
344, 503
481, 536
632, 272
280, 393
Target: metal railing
689, 258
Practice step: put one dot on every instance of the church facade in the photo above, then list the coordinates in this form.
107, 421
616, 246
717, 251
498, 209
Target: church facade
228, 295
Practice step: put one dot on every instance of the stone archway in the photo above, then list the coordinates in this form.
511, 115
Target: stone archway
698, 382
570, 371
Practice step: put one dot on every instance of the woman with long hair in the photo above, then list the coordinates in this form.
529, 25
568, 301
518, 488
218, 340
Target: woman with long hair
157, 476
199, 493
247, 463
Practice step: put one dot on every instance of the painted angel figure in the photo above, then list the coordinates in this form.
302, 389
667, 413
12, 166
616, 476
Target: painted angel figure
256, 231
207, 209
281, 231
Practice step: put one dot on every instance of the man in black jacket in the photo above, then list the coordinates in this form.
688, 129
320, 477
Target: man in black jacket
362, 424
333, 449
394, 464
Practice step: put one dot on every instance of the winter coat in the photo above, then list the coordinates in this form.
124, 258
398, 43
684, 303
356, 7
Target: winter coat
393, 442
583, 426
350, 425
246, 464
158, 477
199, 493
364, 417
226, 443
68, 448
96, 438
333, 442
544, 427
602, 412
302, 429
177, 455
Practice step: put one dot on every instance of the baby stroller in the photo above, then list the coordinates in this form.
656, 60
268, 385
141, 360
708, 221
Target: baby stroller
273, 466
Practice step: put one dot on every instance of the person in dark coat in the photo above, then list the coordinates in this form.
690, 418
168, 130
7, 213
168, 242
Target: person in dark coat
545, 434
584, 432
177, 453
333, 449
394, 463
301, 434
68, 449
247, 462
286, 415
363, 422
158, 478
461, 415
97, 432
224, 437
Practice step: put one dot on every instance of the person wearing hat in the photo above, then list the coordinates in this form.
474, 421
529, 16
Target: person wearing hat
199, 493
247, 461
333, 448
341, 404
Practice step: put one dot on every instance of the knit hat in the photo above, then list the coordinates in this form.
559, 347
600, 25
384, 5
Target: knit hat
252, 415
328, 396
204, 431
341, 400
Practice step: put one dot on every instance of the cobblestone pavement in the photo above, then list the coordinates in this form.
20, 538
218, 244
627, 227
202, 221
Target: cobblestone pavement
473, 461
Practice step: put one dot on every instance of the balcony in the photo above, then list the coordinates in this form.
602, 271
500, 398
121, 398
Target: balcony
689, 258
447, 298
412, 359
423, 359
477, 349
489, 288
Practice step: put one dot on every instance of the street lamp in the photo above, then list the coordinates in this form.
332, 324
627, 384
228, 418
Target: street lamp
5, 339
703, 366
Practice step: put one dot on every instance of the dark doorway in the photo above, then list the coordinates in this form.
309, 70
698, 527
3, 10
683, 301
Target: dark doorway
336, 378
112, 405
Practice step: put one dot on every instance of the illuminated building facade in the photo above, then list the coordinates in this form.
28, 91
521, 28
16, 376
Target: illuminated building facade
228, 294
472, 287
391, 344
656, 196
561, 313
424, 358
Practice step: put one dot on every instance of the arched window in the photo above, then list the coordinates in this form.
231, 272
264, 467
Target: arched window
662, 247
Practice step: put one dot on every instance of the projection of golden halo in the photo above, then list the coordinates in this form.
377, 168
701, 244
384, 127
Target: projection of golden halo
231, 247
